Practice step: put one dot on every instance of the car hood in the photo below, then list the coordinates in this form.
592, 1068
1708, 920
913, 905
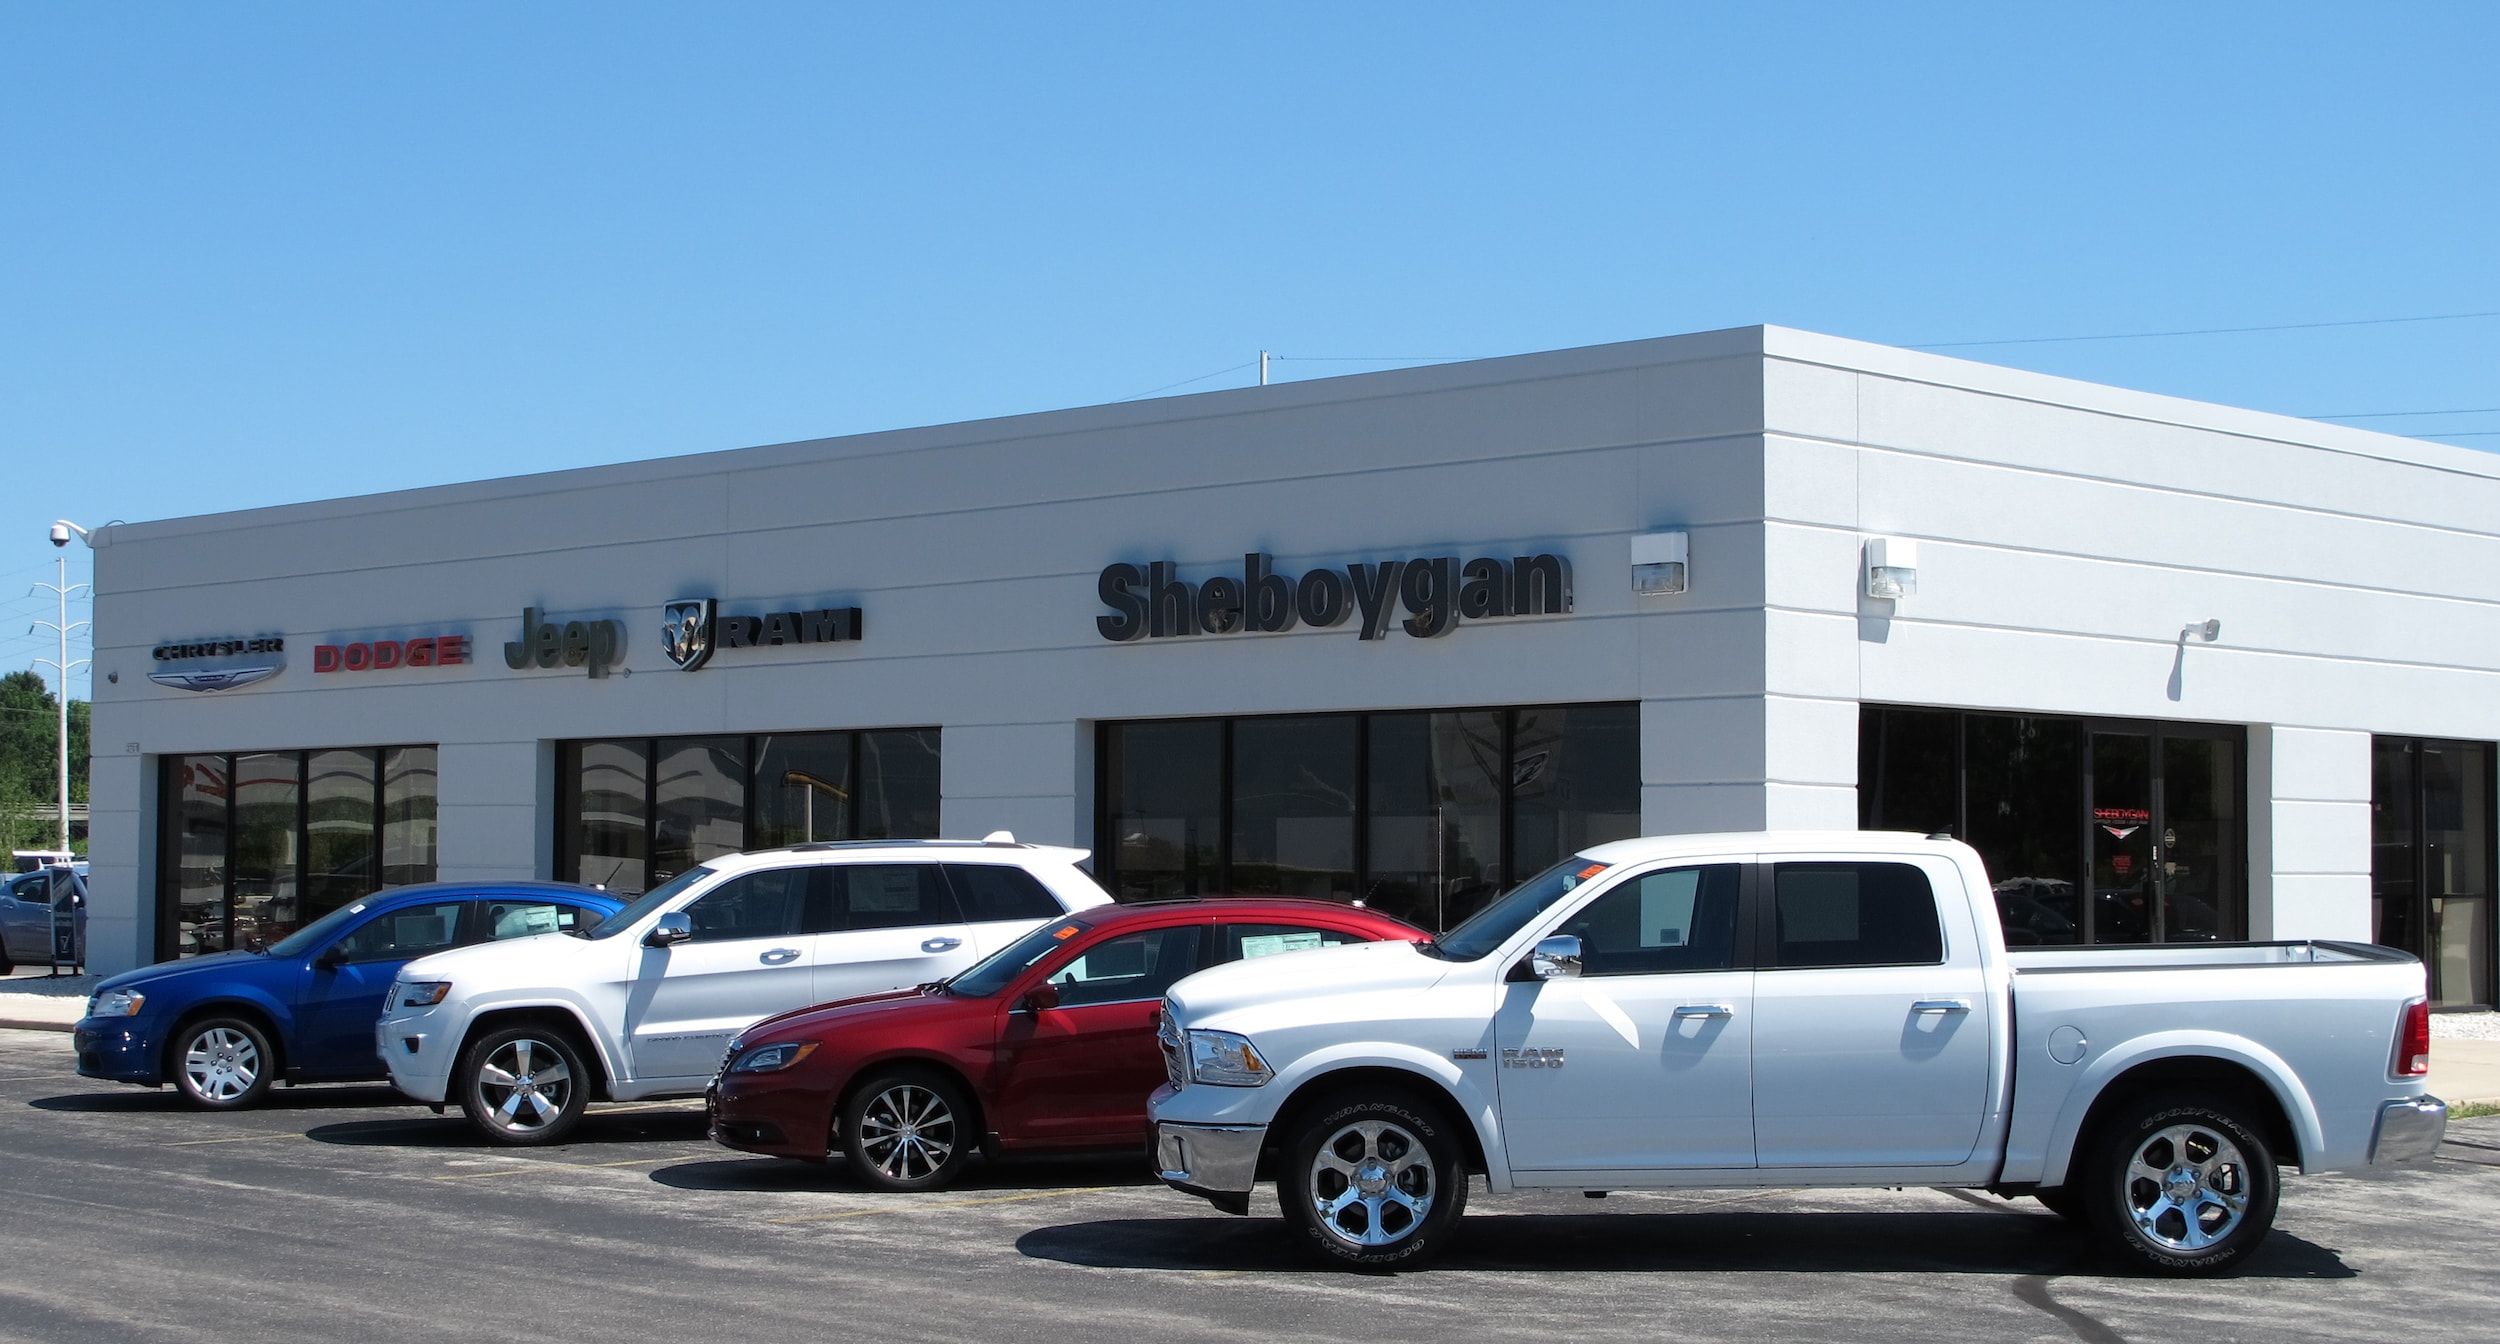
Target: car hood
823, 1020
216, 963
1304, 977
513, 962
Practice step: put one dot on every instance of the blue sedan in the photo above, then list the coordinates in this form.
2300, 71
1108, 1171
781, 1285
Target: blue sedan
223, 1028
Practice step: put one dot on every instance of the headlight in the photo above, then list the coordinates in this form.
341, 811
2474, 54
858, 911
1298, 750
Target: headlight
773, 1058
423, 993
1226, 1060
117, 1003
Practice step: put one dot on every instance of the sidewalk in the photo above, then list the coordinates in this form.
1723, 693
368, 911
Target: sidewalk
2463, 1071
31, 999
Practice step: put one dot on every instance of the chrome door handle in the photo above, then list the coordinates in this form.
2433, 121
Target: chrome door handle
1941, 1006
941, 944
779, 956
1705, 1010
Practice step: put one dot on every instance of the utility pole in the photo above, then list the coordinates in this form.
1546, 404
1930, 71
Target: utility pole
62, 664
1262, 368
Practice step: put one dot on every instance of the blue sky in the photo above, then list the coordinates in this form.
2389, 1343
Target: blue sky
250, 255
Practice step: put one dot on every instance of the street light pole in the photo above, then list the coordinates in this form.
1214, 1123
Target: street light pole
62, 664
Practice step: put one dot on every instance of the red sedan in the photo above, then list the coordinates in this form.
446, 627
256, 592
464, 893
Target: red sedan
1047, 1045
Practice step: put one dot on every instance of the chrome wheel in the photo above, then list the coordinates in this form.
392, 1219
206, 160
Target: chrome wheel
221, 1064
524, 1084
906, 1132
2187, 1187
1372, 1184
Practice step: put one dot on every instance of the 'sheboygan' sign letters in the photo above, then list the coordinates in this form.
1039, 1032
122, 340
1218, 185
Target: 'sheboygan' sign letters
1154, 602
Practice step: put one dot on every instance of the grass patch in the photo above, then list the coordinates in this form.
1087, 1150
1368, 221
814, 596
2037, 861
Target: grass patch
2474, 1110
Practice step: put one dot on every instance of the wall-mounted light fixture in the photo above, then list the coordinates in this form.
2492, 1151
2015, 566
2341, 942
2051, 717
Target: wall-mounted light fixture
1659, 564
2208, 632
1891, 568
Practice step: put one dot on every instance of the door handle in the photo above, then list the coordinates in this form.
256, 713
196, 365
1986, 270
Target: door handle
779, 956
941, 944
1941, 1006
1705, 1010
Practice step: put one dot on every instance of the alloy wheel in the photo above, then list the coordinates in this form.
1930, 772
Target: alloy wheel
1372, 1183
907, 1132
2187, 1187
524, 1084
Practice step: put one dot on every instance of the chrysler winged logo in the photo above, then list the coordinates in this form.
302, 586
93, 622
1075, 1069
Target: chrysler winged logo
686, 633
223, 679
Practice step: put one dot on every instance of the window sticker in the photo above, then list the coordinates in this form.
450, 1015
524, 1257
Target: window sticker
1591, 871
1269, 944
885, 890
1066, 932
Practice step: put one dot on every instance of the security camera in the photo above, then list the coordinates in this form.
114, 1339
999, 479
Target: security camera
60, 534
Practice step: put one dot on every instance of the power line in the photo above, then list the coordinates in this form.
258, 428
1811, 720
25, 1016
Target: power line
1187, 381
2389, 415
2209, 331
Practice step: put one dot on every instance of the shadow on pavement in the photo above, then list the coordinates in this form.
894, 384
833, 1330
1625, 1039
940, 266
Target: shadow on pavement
139, 1101
1809, 1243
771, 1174
453, 1131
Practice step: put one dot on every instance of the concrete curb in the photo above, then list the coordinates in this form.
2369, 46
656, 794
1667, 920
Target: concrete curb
32, 1024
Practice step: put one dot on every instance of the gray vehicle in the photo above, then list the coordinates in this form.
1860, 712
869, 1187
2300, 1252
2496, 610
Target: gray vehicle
26, 915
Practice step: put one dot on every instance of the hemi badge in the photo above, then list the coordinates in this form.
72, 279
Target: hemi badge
1466, 1054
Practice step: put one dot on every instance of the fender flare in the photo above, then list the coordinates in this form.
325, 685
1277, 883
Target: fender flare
2088, 1090
1474, 1103
582, 1021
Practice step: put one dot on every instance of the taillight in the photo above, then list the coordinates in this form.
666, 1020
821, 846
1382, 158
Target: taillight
2413, 1041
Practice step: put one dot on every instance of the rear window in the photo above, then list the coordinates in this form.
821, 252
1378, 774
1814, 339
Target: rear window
1854, 914
997, 891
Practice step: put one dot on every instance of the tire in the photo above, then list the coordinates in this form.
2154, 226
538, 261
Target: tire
907, 1130
2181, 1184
2065, 1201
221, 1063
523, 1086
1374, 1182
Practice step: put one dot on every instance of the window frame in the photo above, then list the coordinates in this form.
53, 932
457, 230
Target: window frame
1766, 923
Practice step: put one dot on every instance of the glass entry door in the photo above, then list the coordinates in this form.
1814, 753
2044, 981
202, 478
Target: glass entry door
2164, 828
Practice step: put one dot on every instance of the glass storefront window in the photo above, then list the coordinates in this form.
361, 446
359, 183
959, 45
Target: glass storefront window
1415, 813
255, 845
635, 812
2094, 831
2431, 857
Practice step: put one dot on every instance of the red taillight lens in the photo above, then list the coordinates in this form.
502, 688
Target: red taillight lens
2413, 1041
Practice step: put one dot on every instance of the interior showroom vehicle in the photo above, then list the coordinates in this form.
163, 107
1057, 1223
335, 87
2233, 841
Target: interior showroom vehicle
645, 1004
1049, 1044
1789, 1010
223, 1028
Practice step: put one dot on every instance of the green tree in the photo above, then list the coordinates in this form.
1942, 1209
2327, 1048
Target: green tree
29, 741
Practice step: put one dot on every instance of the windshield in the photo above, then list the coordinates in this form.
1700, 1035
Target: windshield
1492, 926
313, 935
647, 902
988, 977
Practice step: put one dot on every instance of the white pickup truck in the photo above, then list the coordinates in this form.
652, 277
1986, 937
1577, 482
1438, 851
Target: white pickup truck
1788, 1009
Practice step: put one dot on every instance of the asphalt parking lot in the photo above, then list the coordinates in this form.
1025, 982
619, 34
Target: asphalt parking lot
345, 1214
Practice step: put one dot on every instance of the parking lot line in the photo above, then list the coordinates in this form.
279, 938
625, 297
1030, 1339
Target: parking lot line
950, 1204
528, 1168
243, 1138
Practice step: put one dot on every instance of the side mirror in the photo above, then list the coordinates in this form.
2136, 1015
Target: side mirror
1555, 957
332, 957
1042, 998
673, 928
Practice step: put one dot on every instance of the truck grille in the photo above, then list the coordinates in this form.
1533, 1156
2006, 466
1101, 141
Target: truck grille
1175, 1051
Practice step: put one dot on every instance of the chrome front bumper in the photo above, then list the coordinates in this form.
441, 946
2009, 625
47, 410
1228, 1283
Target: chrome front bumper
1208, 1159
2409, 1129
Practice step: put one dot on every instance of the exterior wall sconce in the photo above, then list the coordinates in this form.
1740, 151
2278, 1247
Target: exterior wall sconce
1891, 568
2208, 632
1659, 564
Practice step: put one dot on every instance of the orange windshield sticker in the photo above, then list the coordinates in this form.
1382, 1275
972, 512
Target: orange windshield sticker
1592, 870
1065, 934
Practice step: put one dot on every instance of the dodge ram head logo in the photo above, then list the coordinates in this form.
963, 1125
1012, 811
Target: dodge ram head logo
1534, 1057
686, 631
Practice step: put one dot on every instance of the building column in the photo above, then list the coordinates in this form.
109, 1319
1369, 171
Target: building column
1020, 777
2308, 833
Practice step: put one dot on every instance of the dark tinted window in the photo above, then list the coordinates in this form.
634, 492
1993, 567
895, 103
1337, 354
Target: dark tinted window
1128, 968
1248, 942
766, 904
992, 891
1682, 919
411, 932
887, 896
1854, 914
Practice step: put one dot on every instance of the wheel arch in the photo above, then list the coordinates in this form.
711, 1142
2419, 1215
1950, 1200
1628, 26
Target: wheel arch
2263, 1083
909, 1061
272, 1023
556, 1017
1315, 1089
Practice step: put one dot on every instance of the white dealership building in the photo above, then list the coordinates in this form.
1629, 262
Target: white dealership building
2180, 671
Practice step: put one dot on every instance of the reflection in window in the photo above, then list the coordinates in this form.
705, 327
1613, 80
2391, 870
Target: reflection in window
1162, 801
802, 788
1293, 806
1130, 969
258, 844
1435, 825
1575, 775
698, 802
2432, 829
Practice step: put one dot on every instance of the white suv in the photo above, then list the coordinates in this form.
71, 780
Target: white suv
522, 1034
